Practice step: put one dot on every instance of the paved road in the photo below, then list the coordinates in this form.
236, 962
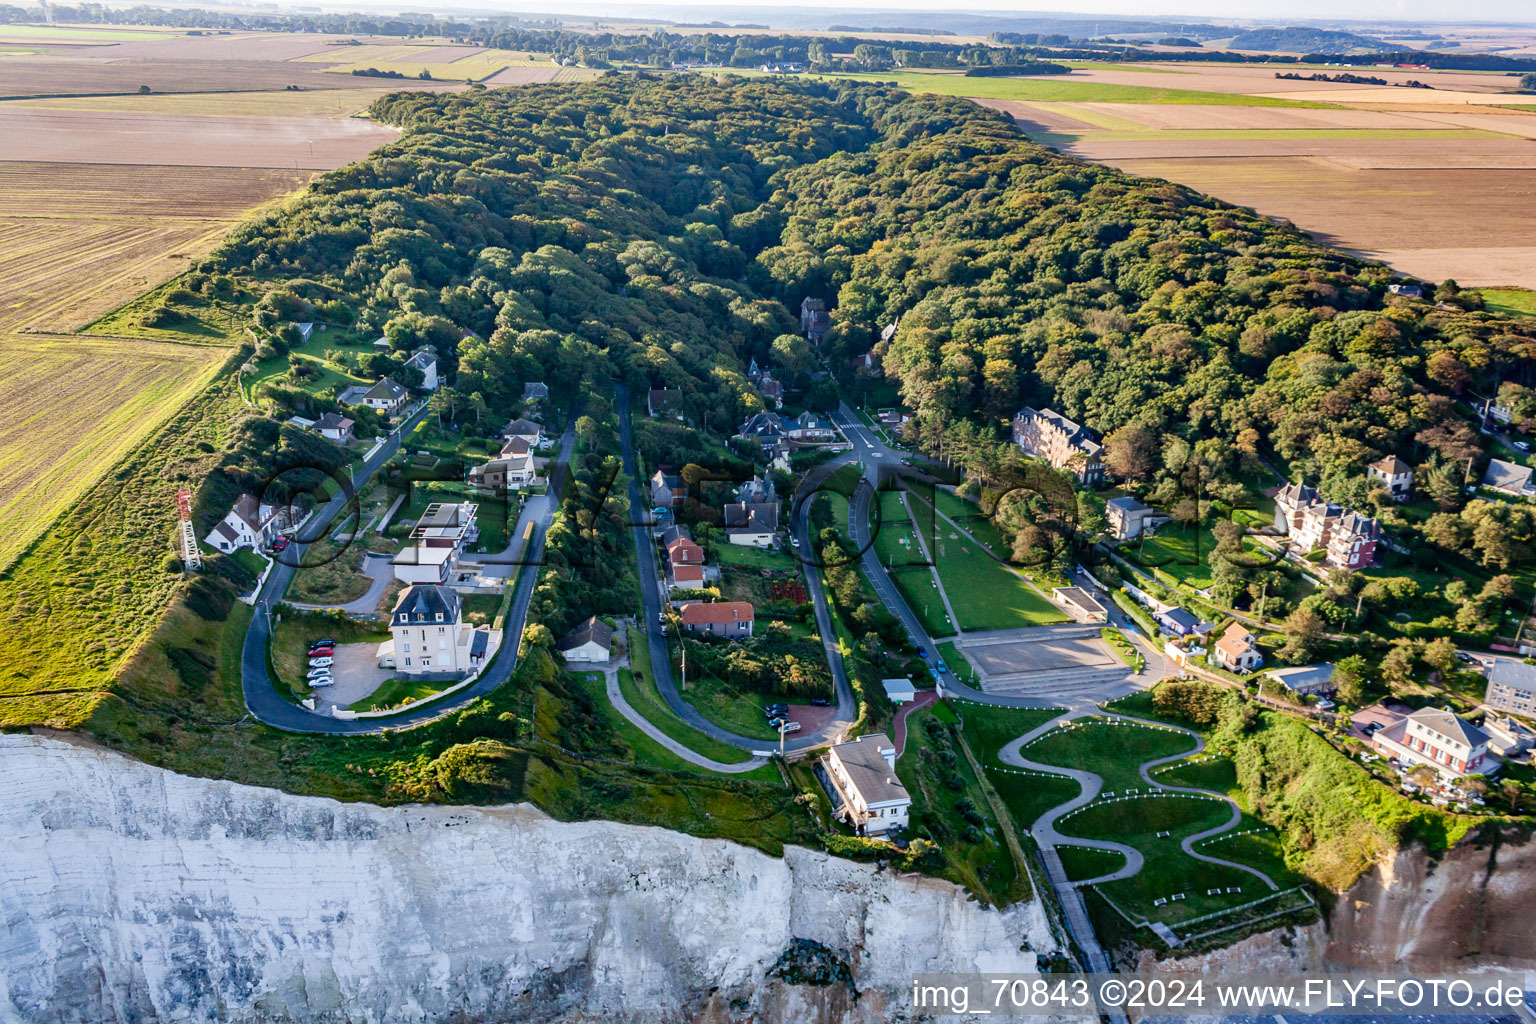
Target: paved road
639, 721
652, 601
261, 697
377, 568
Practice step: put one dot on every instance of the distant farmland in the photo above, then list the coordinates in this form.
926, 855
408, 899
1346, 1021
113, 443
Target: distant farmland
77, 241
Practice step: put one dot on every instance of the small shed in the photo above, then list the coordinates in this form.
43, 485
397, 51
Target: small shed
899, 691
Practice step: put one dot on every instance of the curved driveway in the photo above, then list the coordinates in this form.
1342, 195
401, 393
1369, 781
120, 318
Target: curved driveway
652, 601
261, 697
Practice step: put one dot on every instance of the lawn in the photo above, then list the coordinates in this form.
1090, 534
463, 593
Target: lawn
329, 575
1113, 752
1206, 772
1121, 646
1509, 301
394, 692
1167, 870
480, 608
985, 593
970, 517
753, 558
1059, 89
895, 538
728, 706
1085, 862
646, 750
1027, 795
330, 375
917, 588
639, 688
1185, 550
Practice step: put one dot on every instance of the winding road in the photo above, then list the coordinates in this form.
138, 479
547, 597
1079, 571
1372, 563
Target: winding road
261, 696
653, 601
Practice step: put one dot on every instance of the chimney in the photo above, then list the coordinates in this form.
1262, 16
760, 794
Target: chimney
889, 753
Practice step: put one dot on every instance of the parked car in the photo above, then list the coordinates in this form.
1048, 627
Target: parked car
789, 727
1465, 658
941, 666
322, 643
320, 662
775, 722
322, 681
1522, 446
820, 702
319, 673
321, 652
280, 543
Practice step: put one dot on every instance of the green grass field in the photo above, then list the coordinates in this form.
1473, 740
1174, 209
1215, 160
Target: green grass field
1510, 301
1167, 870
1113, 752
1085, 862
1213, 773
958, 663
985, 593
988, 729
639, 688
394, 692
1055, 90
754, 558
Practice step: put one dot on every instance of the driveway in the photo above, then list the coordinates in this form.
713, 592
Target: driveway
377, 568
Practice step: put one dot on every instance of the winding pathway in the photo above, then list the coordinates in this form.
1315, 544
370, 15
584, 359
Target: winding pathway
1044, 828
639, 721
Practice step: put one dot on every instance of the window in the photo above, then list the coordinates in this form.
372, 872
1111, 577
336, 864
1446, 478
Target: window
407, 662
439, 616
406, 649
441, 630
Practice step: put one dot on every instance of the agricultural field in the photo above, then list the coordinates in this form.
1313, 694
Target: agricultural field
79, 240
135, 137
1339, 161
110, 394
324, 103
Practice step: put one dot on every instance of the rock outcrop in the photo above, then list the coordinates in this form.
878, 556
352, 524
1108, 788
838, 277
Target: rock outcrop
131, 893
1470, 908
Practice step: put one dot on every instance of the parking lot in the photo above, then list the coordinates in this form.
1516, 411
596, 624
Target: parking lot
1045, 651
357, 675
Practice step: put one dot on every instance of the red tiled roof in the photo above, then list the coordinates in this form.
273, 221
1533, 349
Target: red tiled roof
701, 614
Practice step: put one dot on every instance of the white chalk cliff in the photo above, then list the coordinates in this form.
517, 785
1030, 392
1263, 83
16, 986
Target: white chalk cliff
130, 893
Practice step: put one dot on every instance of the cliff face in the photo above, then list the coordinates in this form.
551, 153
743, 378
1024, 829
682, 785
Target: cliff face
132, 893
1470, 909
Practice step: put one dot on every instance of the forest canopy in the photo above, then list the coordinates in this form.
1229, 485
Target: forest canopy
660, 228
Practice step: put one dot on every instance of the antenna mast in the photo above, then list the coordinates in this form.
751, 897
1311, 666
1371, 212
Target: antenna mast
191, 557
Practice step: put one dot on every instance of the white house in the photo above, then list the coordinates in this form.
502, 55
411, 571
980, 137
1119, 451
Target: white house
250, 523
334, 427
1129, 518
899, 691
437, 543
752, 524
1512, 687
588, 643
1436, 737
386, 396
426, 362
1238, 650
1395, 475
1313, 679
863, 771
425, 631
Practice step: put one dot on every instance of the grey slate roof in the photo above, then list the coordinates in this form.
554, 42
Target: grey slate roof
1446, 724
1507, 476
386, 389
424, 603
591, 631
875, 780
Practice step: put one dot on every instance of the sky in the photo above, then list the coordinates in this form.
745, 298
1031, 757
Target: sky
1460, 11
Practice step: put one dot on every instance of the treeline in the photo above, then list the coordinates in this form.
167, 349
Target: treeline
1033, 67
